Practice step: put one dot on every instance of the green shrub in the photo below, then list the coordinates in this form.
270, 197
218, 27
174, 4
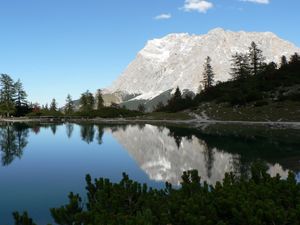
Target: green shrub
259, 199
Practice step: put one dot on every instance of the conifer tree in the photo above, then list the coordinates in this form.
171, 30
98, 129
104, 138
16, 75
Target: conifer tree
256, 59
284, 61
87, 101
142, 108
69, 107
240, 66
21, 95
99, 100
208, 74
175, 102
159, 107
177, 95
53, 105
295, 58
7, 94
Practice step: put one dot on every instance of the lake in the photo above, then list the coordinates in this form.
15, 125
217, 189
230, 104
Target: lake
41, 163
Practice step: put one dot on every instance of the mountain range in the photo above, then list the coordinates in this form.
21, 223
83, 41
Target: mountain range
176, 60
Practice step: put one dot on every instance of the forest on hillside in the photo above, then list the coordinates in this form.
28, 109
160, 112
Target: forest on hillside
253, 82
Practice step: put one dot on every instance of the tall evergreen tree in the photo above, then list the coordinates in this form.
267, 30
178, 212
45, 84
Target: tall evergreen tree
87, 101
53, 105
240, 66
7, 94
176, 101
99, 100
284, 61
256, 59
208, 74
142, 108
69, 107
21, 95
177, 95
295, 58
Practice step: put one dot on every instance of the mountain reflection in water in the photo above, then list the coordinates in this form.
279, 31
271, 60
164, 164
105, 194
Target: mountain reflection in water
163, 153
41, 163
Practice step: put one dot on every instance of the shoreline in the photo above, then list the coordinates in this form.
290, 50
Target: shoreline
197, 122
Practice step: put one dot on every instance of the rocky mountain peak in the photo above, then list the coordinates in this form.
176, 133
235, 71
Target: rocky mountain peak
177, 60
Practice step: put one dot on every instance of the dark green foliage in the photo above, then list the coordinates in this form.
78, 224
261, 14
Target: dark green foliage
99, 100
264, 86
256, 59
87, 101
141, 108
13, 98
87, 132
108, 112
13, 140
21, 104
258, 200
22, 219
240, 69
159, 107
44, 113
70, 213
53, 105
176, 103
7, 95
208, 74
69, 107
105, 112
295, 58
284, 61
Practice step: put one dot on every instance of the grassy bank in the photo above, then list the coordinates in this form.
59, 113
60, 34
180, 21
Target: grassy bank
287, 111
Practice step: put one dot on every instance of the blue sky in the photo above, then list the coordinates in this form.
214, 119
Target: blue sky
58, 47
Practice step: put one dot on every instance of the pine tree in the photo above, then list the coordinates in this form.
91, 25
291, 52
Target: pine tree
21, 95
7, 94
159, 107
53, 105
284, 61
295, 58
240, 66
177, 95
69, 107
208, 74
176, 101
256, 59
87, 101
99, 100
142, 108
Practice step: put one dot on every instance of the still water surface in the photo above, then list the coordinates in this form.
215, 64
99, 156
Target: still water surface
41, 163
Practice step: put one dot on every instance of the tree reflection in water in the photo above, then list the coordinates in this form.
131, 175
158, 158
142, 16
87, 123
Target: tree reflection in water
100, 129
53, 128
13, 140
87, 132
165, 152
69, 129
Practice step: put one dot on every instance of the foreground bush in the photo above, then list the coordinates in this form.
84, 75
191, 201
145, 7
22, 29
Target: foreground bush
259, 199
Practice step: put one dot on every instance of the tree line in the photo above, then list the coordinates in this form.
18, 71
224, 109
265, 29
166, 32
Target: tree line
13, 98
251, 76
